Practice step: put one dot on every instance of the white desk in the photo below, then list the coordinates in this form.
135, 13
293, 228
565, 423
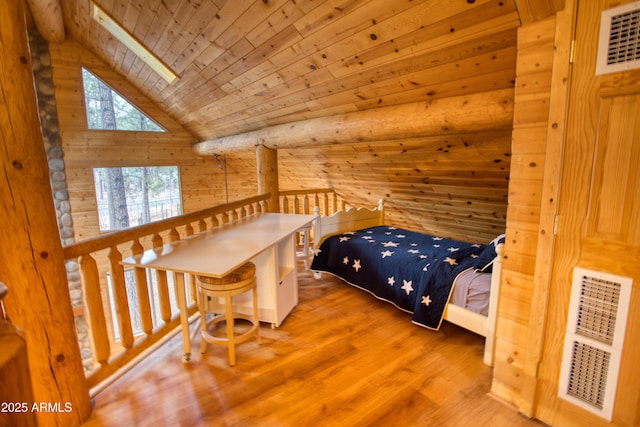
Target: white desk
267, 240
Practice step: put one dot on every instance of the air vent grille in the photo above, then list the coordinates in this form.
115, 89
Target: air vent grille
619, 44
624, 37
593, 342
588, 374
598, 308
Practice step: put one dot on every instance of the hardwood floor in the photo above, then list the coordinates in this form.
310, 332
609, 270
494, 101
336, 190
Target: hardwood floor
341, 358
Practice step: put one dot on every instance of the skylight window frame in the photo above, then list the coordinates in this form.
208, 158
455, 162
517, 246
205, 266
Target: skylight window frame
126, 38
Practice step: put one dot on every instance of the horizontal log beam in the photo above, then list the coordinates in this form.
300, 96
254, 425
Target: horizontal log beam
469, 113
47, 15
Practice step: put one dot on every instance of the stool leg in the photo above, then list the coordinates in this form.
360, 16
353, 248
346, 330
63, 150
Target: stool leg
256, 315
230, 334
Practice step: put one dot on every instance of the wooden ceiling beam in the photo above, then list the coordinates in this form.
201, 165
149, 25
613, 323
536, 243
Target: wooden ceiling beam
47, 15
468, 113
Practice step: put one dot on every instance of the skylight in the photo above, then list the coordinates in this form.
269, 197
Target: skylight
109, 24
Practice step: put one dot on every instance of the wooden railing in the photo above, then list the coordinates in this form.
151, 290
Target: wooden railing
115, 296
108, 288
304, 201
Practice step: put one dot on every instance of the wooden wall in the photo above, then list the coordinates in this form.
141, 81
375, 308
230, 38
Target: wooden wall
202, 180
454, 186
597, 214
569, 124
529, 144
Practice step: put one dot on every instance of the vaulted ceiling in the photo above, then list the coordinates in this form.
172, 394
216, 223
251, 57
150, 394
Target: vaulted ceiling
249, 64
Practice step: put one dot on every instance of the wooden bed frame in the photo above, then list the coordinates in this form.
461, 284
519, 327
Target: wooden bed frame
356, 219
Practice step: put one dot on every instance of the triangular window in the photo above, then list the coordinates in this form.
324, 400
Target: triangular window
107, 110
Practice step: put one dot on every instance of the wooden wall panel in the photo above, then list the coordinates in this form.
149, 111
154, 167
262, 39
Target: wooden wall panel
455, 185
531, 115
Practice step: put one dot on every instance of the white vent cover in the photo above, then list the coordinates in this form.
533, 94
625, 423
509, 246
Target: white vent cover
619, 44
593, 341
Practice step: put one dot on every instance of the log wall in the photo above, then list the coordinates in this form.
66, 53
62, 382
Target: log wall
453, 185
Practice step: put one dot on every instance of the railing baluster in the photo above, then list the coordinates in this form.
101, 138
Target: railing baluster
142, 287
121, 298
91, 280
305, 204
163, 295
325, 204
316, 200
162, 284
188, 230
174, 235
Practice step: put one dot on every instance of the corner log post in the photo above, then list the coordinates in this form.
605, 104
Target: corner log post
267, 163
32, 260
476, 112
47, 15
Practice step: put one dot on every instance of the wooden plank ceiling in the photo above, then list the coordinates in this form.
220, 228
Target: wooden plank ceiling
247, 64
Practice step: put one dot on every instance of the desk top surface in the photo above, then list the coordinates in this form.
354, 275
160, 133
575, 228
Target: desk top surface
218, 251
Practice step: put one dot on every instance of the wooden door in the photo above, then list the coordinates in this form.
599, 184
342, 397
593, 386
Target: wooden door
598, 224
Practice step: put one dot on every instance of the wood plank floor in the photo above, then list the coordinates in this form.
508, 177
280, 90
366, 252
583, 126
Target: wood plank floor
341, 358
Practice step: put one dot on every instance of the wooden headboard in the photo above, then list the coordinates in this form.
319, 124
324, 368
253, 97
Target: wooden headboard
342, 221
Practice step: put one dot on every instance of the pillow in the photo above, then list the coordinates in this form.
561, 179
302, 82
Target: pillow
485, 260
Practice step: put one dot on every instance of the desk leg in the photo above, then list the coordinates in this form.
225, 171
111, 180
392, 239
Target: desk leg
181, 297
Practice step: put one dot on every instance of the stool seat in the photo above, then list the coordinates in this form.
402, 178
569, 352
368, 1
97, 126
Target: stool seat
244, 272
237, 282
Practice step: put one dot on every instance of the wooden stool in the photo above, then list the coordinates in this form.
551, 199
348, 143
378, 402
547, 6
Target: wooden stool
239, 281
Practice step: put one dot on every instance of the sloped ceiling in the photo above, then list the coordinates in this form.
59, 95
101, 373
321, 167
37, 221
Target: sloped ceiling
248, 64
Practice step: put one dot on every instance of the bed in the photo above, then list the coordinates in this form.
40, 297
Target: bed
431, 277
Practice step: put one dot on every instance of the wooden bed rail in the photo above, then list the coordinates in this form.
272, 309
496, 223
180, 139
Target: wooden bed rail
130, 312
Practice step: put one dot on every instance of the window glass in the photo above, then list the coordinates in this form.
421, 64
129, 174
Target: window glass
132, 196
107, 110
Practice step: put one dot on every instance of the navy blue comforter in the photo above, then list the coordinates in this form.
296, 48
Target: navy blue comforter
413, 271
